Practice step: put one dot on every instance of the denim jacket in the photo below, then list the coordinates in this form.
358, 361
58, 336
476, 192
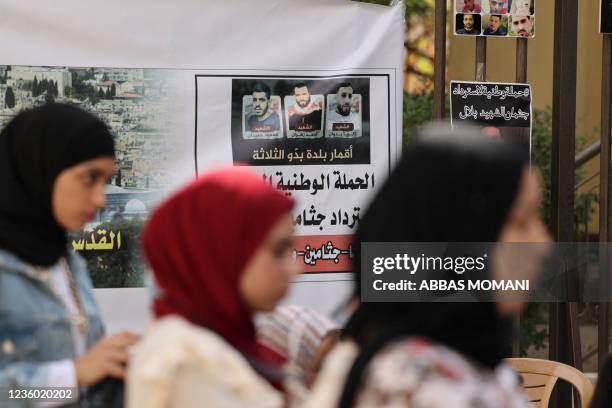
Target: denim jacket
35, 325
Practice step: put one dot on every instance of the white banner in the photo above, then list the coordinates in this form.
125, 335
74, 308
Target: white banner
309, 93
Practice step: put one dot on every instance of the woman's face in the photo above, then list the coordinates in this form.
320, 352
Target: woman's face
524, 225
266, 278
80, 191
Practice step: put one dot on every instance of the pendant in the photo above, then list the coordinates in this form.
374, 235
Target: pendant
80, 321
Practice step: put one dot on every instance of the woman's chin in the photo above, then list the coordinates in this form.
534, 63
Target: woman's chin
77, 226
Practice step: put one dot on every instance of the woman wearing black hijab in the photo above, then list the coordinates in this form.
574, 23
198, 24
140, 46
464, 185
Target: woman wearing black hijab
55, 161
452, 188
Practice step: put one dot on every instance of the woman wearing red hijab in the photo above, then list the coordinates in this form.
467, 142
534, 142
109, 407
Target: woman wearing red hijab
220, 251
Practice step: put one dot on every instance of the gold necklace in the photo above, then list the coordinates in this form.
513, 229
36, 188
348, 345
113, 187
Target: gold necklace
78, 319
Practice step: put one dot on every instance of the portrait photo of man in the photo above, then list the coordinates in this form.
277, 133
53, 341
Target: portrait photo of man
261, 118
522, 26
468, 24
304, 112
522, 7
343, 112
469, 6
498, 6
495, 25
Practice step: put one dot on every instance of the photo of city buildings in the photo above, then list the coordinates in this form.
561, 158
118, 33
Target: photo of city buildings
130, 101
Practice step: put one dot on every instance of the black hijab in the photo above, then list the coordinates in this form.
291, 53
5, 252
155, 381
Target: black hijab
448, 187
35, 147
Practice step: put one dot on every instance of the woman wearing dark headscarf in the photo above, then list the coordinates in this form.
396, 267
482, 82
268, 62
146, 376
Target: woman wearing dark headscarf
220, 251
446, 189
55, 161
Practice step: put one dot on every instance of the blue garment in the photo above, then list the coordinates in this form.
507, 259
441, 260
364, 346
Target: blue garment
501, 31
272, 121
35, 326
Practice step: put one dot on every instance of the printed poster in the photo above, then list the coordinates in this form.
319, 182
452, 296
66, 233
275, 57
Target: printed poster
180, 97
502, 111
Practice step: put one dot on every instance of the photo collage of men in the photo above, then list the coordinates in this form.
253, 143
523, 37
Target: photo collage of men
301, 121
495, 18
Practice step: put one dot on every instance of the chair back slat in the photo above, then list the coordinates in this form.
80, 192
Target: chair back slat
540, 376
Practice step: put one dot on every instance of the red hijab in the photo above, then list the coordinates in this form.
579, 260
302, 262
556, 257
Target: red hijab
198, 243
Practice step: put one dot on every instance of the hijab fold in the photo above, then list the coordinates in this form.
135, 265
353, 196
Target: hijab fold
35, 147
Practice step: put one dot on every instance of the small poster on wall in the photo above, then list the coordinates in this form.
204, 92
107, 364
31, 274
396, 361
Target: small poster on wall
502, 111
496, 18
